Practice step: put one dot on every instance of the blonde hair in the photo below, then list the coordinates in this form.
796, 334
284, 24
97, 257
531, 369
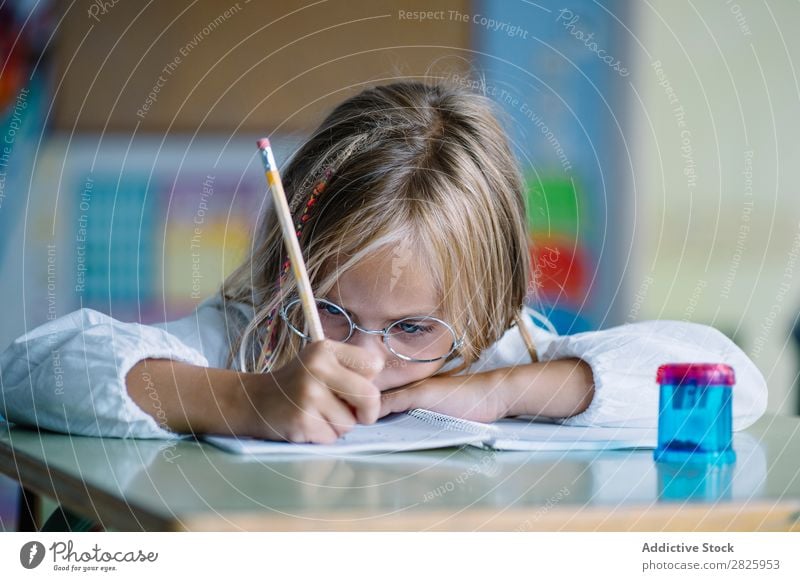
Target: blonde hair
423, 165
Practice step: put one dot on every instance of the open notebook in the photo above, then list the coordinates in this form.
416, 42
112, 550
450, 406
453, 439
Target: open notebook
420, 429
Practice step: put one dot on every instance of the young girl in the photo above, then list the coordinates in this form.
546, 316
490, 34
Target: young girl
410, 211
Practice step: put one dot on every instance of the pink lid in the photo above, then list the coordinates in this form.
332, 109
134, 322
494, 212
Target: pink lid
697, 373
263, 143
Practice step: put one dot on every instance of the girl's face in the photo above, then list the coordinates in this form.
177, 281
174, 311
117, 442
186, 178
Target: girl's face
379, 291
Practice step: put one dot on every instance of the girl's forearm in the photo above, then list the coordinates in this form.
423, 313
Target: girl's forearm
557, 389
188, 398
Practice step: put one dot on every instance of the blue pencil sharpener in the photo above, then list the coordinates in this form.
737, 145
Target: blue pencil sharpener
695, 414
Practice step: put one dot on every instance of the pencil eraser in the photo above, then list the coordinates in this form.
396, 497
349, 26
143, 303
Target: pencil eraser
263, 143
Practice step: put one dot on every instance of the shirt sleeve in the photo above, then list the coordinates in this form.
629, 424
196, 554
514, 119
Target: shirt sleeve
68, 375
624, 362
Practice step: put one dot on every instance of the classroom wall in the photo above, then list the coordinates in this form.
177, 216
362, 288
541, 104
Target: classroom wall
719, 215
239, 65
147, 102
144, 97
708, 243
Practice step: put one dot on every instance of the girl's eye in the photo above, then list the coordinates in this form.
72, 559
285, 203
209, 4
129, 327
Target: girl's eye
415, 329
327, 309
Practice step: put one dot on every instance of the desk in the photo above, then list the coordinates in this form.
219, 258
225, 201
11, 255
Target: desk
187, 485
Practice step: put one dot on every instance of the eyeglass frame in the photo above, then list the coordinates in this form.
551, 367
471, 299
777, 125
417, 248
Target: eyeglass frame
457, 344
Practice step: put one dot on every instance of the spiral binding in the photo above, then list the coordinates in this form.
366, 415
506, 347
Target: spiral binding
451, 423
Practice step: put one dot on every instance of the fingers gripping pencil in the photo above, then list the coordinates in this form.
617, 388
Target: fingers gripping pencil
290, 239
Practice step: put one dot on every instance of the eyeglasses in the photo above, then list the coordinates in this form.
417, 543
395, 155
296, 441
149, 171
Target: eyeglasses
419, 339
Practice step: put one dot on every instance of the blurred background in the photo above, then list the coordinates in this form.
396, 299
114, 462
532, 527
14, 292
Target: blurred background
657, 139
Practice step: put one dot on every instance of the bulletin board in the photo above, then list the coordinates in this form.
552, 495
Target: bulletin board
147, 228
561, 72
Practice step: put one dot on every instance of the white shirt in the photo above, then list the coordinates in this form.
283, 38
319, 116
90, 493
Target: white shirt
68, 375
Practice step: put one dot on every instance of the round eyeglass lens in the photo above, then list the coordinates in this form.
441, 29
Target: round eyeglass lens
416, 338
420, 338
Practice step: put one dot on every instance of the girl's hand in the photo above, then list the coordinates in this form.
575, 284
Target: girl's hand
473, 397
317, 397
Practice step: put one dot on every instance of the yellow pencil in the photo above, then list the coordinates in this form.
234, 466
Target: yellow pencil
290, 239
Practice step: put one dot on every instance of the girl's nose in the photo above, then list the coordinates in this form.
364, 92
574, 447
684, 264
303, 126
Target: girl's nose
373, 343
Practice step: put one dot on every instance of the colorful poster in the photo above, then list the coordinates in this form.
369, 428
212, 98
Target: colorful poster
560, 74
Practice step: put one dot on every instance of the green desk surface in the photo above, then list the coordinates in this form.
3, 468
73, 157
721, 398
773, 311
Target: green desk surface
187, 485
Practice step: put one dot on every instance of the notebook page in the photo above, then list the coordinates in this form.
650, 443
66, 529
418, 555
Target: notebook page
393, 433
526, 434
